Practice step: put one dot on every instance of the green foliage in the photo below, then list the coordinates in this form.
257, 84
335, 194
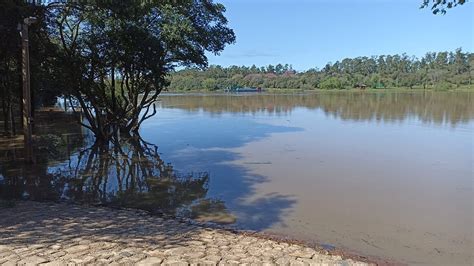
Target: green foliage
80, 49
385, 71
440, 6
330, 84
140, 43
443, 86
209, 84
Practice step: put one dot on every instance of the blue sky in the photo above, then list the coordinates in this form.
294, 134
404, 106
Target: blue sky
310, 33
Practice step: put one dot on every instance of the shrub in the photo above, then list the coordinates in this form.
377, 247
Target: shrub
330, 84
444, 86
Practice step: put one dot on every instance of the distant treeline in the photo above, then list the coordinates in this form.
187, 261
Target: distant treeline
442, 71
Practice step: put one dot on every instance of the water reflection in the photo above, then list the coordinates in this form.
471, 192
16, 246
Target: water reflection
129, 173
132, 173
59, 136
430, 107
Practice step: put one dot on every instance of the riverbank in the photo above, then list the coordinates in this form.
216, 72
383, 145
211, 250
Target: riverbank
51, 233
371, 90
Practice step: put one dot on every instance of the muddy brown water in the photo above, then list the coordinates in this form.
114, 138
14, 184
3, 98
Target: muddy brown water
380, 174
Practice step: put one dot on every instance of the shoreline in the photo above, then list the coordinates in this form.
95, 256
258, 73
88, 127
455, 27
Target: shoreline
303, 91
143, 221
344, 252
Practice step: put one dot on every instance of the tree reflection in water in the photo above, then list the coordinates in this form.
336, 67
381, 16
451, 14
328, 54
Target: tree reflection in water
430, 107
129, 173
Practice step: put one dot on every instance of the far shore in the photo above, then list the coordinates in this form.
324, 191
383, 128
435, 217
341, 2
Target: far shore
286, 90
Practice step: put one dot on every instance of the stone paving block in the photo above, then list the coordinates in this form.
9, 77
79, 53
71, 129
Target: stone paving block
202, 263
52, 263
175, 262
303, 253
32, 260
9, 263
193, 255
76, 249
310, 262
212, 258
229, 262
150, 261
298, 263
84, 260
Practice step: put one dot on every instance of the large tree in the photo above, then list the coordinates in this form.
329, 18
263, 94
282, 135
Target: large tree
116, 55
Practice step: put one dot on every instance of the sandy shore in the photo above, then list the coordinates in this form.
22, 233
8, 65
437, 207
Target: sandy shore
50, 233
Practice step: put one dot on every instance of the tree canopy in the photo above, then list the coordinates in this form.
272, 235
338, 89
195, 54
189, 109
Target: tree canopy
109, 57
118, 54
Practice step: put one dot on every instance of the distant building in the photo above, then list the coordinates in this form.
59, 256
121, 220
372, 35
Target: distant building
361, 86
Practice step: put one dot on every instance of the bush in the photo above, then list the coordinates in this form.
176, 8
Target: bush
330, 84
444, 86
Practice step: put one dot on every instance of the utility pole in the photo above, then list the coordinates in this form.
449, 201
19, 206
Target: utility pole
27, 127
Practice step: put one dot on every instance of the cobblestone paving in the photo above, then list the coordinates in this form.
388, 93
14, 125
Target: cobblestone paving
57, 234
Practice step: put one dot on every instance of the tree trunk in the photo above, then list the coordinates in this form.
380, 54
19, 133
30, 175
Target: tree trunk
6, 123
10, 116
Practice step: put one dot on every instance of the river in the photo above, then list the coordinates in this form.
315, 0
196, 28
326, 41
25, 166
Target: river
381, 174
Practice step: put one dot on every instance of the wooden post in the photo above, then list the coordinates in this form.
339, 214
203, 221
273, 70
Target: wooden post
27, 128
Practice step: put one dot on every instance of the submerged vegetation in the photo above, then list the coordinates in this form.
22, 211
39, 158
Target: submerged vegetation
439, 71
70, 166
